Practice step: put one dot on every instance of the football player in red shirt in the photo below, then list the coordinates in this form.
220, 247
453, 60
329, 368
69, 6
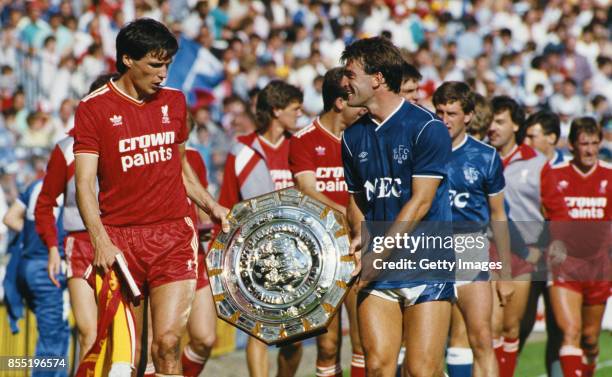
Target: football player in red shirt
58, 181
578, 191
315, 157
130, 134
258, 163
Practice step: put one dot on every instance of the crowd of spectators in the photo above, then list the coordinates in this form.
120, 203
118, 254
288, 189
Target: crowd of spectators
553, 54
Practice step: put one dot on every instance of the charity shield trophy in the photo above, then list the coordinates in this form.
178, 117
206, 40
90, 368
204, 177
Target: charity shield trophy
283, 269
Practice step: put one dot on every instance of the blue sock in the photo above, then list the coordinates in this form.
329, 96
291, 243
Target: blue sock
459, 361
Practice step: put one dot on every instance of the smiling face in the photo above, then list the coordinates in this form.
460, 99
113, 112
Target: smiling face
147, 73
360, 84
454, 118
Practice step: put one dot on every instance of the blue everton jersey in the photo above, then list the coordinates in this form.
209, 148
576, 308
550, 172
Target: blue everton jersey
33, 246
381, 159
475, 172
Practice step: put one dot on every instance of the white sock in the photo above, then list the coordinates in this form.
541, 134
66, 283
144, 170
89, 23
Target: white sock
120, 370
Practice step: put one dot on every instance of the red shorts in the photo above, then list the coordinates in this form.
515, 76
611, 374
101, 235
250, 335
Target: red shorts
202, 275
79, 254
593, 292
158, 254
518, 264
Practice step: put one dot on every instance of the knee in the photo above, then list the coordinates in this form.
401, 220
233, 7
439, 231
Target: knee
327, 350
166, 345
376, 365
422, 368
291, 350
481, 339
203, 339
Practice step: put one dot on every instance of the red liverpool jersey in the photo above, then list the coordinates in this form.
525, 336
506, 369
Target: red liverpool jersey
315, 149
139, 167
277, 160
582, 198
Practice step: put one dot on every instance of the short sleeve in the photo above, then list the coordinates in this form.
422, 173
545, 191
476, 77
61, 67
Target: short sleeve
350, 175
300, 159
86, 136
494, 181
432, 150
183, 130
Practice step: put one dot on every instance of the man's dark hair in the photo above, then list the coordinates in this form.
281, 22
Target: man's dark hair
144, 36
549, 122
276, 95
377, 54
332, 88
587, 125
101, 80
499, 104
410, 72
452, 91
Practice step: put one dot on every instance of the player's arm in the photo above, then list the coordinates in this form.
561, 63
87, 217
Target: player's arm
86, 170
423, 193
199, 195
355, 218
306, 181
53, 186
501, 237
14, 217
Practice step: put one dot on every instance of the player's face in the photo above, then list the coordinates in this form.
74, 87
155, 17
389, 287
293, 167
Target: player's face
410, 91
502, 129
454, 118
288, 116
535, 138
586, 149
360, 84
149, 72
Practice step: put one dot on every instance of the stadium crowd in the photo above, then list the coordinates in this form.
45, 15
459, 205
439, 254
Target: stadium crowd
546, 55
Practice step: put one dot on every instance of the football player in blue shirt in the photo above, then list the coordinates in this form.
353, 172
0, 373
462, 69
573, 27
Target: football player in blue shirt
395, 168
40, 294
476, 190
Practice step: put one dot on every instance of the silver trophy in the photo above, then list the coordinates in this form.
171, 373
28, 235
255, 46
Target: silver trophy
283, 269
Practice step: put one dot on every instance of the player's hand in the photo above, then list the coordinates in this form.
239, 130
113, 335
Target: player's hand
54, 265
505, 290
557, 253
104, 256
534, 255
218, 213
355, 251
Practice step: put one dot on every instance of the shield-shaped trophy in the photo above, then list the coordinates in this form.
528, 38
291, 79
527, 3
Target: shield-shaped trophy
283, 269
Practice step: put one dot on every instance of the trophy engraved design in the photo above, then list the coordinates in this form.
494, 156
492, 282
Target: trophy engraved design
283, 269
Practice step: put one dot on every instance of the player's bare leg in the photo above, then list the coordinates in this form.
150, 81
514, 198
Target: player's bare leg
358, 361
257, 358
85, 310
169, 325
380, 328
289, 359
328, 349
475, 302
425, 329
202, 331
459, 356
592, 316
510, 318
139, 312
566, 305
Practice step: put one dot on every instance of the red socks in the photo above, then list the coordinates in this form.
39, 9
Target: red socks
570, 358
358, 365
192, 362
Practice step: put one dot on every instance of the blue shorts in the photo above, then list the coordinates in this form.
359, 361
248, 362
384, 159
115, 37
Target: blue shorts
417, 294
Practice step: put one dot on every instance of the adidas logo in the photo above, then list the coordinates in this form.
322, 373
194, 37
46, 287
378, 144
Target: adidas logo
116, 120
320, 150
